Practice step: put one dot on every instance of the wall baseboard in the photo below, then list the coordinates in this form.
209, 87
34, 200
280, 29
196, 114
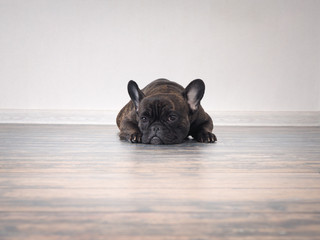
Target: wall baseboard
57, 116
267, 118
220, 118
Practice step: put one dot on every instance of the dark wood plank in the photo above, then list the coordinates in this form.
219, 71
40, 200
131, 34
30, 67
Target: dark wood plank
81, 182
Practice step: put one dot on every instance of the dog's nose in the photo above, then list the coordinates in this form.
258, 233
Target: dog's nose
156, 128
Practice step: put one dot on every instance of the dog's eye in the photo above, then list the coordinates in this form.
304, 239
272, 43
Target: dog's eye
172, 118
144, 119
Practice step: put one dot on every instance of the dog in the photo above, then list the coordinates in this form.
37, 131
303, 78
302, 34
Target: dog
165, 113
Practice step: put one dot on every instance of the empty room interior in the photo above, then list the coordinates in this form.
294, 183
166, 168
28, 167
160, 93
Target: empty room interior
65, 68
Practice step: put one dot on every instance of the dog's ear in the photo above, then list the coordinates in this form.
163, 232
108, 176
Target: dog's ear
135, 93
193, 93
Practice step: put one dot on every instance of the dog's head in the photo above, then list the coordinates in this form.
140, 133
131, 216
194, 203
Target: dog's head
164, 118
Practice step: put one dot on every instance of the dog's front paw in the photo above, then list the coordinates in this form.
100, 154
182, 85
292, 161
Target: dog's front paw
206, 137
135, 138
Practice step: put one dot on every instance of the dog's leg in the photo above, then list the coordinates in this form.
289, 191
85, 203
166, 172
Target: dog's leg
202, 130
129, 131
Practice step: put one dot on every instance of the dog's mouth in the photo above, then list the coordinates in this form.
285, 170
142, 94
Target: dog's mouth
156, 140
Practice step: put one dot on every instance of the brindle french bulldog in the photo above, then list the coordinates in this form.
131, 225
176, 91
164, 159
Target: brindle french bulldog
165, 113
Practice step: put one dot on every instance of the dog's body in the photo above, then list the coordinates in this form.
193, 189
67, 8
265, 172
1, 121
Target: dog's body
165, 113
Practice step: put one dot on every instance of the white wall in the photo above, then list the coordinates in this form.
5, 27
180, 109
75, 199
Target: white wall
254, 55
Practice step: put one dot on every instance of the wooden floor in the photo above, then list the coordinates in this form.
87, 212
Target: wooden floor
81, 182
